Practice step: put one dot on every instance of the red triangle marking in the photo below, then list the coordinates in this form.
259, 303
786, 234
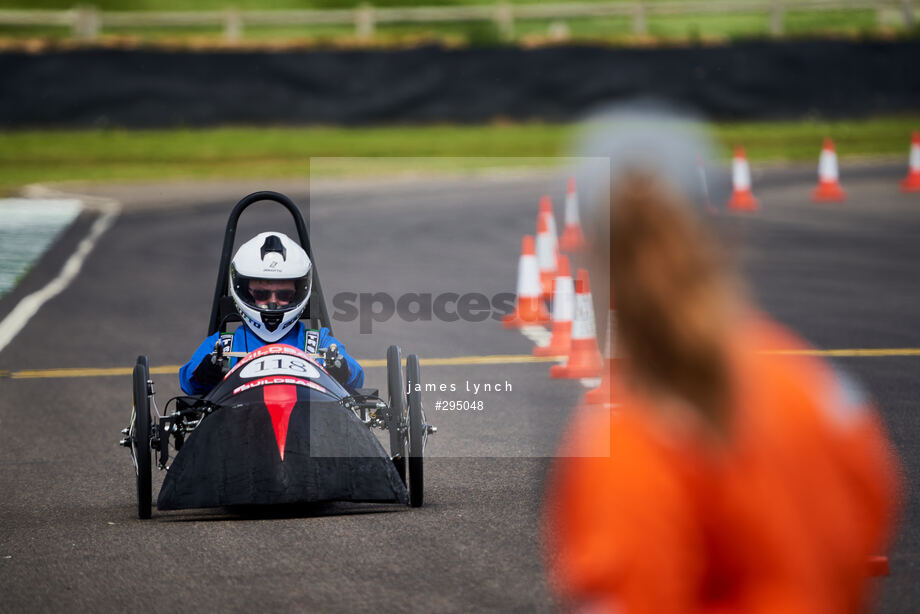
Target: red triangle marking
279, 401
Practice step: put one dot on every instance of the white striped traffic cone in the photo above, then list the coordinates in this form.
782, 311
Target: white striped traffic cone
911, 183
584, 357
546, 255
546, 209
572, 240
563, 312
529, 308
742, 199
828, 189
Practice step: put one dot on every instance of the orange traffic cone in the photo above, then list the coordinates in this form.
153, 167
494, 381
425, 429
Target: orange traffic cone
563, 311
529, 308
878, 566
546, 209
742, 199
828, 189
911, 183
584, 357
572, 240
601, 394
546, 255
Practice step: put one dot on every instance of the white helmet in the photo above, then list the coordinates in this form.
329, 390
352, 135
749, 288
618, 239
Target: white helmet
266, 258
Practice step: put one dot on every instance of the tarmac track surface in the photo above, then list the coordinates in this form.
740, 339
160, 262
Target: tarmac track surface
845, 276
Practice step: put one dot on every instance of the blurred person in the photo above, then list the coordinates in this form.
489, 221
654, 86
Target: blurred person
271, 278
726, 478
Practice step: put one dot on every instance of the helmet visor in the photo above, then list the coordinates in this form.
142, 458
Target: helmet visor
272, 294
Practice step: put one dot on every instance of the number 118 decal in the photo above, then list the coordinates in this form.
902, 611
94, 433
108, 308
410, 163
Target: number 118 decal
279, 365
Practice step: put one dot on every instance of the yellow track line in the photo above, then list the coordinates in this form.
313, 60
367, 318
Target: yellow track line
496, 359
847, 353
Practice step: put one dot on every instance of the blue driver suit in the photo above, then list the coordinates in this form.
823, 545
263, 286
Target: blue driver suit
244, 340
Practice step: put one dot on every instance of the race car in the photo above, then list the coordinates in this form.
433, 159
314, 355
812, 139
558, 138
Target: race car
278, 429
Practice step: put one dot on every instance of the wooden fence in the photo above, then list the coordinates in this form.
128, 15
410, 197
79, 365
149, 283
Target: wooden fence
87, 22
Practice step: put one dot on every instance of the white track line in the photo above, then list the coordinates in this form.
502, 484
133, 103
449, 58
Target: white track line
29, 305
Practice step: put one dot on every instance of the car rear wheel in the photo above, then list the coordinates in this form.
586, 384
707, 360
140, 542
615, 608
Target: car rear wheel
417, 433
140, 441
396, 415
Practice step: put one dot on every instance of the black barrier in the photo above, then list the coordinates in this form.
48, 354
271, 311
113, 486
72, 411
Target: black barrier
104, 87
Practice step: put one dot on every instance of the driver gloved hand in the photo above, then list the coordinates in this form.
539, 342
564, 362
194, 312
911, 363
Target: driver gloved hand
338, 369
210, 371
335, 365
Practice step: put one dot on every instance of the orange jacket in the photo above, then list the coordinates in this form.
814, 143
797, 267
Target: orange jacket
642, 516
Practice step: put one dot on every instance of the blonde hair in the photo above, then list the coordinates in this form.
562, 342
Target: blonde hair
675, 297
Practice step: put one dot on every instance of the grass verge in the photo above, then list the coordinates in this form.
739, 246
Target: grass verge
29, 156
733, 22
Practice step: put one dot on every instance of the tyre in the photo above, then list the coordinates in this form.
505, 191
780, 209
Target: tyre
417, 434
140, 441
396, 415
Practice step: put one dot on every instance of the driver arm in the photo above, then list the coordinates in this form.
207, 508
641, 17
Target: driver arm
355, 371
187, 379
